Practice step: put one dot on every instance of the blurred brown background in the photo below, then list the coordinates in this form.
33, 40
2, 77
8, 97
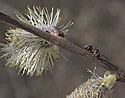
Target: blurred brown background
97, 22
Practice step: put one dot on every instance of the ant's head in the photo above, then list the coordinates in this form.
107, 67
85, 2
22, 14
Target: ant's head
88, 47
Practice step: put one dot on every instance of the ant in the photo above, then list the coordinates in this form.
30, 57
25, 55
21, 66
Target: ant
95, 52
57, 32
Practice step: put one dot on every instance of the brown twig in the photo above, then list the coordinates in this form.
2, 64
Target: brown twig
65, 44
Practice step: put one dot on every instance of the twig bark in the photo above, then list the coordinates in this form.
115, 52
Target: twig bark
65, 44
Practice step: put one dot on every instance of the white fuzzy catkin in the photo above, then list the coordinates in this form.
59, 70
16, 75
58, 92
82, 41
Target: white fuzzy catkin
28, 52
96, 87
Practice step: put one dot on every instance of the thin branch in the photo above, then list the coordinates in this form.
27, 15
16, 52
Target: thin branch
65, 44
